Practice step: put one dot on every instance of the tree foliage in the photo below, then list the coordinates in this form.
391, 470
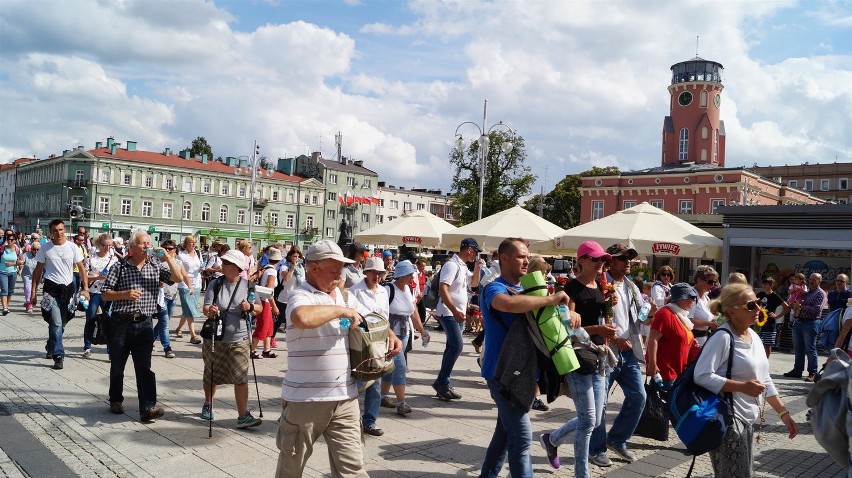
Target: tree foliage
562, 203
507, 178
200, 146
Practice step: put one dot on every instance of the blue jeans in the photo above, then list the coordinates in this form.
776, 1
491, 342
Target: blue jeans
128, 338
56, 319
7, 283
804, 342
628, 375
512, 437
398, 376
372, 400
95, 300
453, 330
161, 331
589, 392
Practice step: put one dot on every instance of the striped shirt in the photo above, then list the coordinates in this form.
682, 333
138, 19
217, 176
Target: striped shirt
318, 359
146, 279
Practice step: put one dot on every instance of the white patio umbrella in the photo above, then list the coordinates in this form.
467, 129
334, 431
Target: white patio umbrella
514, 222
416, 228
646, 228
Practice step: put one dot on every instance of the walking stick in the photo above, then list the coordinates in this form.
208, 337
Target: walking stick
250, 300
212, 360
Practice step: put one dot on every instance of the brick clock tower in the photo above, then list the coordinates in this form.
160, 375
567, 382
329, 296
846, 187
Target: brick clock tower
693, 132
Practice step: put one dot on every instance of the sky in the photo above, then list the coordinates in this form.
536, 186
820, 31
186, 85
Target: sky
584, 82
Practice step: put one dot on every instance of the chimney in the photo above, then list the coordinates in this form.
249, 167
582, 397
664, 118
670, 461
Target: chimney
131, 145
99, 144
204, 158
359, 163
112, 146
167, 152
316, 155
185, 154
110, 140
343, 159
230, 161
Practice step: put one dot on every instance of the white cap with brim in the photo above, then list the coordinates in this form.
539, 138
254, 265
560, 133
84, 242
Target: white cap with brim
374, 264
326, 249
236, 258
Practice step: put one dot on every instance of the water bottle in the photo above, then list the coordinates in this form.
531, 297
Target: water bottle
149, 252
345, 322
160, 253
84, 303
72, 304
658, 380
643, 312
105, 272
426, 339
564, 316
581, 334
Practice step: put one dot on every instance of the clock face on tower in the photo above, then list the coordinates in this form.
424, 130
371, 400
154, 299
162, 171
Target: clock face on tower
717, 100
685, 98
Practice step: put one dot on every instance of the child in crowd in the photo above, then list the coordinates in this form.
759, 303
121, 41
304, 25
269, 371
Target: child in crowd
797, 290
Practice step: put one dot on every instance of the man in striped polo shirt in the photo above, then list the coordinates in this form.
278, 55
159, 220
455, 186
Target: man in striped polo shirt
319, 395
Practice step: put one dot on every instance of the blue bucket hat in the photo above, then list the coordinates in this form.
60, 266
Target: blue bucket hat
682, 290
403, 269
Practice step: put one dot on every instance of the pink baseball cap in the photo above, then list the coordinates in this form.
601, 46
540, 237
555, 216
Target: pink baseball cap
592, 249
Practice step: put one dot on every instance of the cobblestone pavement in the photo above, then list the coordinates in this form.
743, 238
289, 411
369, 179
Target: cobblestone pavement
66, 413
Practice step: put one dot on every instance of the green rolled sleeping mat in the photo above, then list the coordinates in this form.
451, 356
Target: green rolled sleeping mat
553, 333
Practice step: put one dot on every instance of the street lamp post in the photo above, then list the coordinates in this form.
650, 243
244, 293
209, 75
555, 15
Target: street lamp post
483, 142
255, 163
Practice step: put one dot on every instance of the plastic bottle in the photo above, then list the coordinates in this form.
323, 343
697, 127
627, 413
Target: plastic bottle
643, 312
658, 380
564, 316
426, 339
345, 322
581, 334
84, 303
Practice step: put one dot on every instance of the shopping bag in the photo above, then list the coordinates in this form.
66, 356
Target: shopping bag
654, 423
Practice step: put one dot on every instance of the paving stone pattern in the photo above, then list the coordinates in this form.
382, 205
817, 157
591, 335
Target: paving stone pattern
66, 411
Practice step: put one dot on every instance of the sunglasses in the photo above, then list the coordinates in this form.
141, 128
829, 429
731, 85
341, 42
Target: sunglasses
169, 248
666, 275
751, 305
711, 282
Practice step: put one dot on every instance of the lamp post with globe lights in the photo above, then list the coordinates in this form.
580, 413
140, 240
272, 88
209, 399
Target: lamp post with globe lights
483, 141
255, 169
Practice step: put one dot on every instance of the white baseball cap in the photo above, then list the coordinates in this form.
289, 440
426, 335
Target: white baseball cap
326, 249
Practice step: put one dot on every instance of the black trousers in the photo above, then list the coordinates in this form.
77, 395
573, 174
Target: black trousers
127, 338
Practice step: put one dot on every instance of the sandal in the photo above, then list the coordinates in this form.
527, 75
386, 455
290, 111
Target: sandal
178, 334
269, 354
255, 355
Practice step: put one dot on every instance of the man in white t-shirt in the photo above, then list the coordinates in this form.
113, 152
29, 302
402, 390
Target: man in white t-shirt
319, 396
55, 262
455, 282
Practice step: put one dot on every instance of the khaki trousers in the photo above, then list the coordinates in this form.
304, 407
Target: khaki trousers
302, 423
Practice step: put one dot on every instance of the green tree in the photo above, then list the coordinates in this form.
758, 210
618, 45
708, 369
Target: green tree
507, 178
200, 146
269, 229
562, 204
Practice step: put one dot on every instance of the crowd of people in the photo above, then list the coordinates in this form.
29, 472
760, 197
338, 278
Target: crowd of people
636, 329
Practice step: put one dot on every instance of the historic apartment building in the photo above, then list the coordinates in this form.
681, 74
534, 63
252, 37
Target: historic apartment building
828, 181
120, 189
396, 201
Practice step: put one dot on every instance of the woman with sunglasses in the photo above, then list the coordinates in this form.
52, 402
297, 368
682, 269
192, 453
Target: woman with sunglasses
705, 279
750, 382
10, 259
588, 390
662, 286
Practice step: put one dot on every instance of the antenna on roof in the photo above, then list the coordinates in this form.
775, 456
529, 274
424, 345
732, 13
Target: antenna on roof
696, 46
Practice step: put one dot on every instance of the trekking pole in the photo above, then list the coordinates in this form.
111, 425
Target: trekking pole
212, 357
250, 300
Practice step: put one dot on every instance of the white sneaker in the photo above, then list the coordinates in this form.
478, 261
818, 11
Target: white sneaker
87, 353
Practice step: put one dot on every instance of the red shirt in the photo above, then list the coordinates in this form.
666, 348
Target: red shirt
673, 347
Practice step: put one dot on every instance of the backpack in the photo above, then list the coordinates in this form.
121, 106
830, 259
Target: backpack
829, 328
432, 295
368, 346
828, 400
700, 417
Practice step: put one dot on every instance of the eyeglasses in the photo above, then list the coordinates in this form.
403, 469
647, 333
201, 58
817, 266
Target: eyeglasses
666, 274
709, 281
169, 248
751, 305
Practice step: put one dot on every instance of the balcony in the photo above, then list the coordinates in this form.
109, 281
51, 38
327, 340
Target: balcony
78, 183
260, 203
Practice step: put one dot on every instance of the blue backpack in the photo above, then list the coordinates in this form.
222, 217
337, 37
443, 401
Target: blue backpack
700, 417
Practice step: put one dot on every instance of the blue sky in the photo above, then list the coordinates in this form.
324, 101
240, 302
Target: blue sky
583, 82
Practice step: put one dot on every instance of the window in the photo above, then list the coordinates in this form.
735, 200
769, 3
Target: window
715, 203
329, 232
329, 214
683, 146
241, 190
843, 184
273, 218
314, 199
421, 206
149, 182
147, 208
657, 203
241, 216
167, 183
167, 210
258, 218
76, 200
187, 210
702, 99
206, 186
223, 213
715, 146
275, 195
367, 184
434, 208
126, 206
823, 184
331, 196
187, 185
406, 206
79, 177
391, 218
685, 206
793, 183
205, 212
809, 184
224, 188
704, 132
379, 219
381, 203
309, 221
306, 198
350, 181
332, 178
365, 217
127, 179
289, 220
597, 209
629, 204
